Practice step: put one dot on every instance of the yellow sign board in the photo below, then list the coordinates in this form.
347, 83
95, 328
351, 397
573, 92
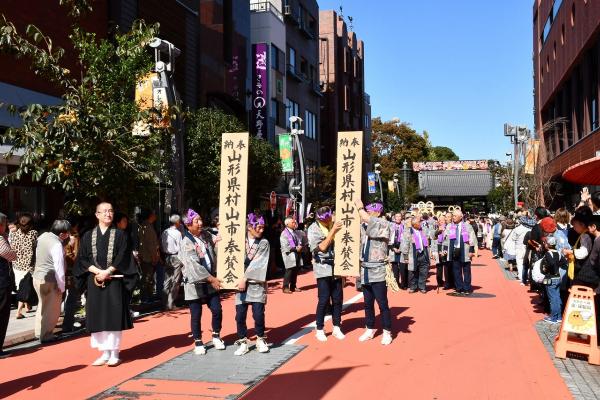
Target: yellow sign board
231, 251
348, 189
580, 316
150, 94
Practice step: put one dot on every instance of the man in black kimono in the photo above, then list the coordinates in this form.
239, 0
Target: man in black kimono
104, 269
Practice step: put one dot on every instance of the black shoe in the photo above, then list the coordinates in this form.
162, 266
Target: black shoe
423, 291
455, 293
412, 290
51, 339
4, 354
467, 292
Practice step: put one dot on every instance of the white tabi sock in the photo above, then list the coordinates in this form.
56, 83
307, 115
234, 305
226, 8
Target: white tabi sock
114, 354
105, 355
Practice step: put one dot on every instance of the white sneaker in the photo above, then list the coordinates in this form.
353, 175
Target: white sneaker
367, 335
242, 347
218, 343
321, 335
386, 338
337, 333
200, 350
262, 346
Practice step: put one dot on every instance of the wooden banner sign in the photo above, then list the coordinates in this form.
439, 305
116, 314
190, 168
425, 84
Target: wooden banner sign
348, 190
578, 330
232, 208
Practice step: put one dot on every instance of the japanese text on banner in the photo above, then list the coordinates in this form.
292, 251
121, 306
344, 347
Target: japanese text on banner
348, 189
232, 208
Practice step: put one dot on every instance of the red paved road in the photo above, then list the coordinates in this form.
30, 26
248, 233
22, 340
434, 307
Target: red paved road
483, 347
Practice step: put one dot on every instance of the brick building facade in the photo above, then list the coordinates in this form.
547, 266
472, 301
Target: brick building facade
345, 105
212, 70
566, 43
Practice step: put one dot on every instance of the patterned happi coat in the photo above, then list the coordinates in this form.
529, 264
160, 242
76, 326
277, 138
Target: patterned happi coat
256, 265
374, 239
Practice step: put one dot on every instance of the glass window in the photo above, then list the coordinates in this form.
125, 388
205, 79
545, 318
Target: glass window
547, 27
594, 113
310, 125
303, 66
274, 111
292, 58
555, 7
291, 109
274, 57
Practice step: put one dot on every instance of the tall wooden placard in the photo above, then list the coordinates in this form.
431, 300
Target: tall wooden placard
232, 208
348, 190
578, 330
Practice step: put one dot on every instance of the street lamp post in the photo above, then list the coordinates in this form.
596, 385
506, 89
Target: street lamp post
405, 180
518, 135
296, 130
164, 65
396, 187
378, 172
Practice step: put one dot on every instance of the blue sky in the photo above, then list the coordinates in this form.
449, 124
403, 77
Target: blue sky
458, 69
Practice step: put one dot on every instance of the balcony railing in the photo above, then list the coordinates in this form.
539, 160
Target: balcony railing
266, 6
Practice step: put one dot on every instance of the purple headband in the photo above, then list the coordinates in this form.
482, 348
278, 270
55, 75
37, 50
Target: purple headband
324, 216
189, 216
255, 220
374, 207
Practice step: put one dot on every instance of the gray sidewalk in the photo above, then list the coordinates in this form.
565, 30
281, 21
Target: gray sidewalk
582, 378
19, 330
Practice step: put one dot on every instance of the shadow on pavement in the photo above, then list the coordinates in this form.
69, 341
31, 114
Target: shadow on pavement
155, 347
313, 384
399, 324
34, 381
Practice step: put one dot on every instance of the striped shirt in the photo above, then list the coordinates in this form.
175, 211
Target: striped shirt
5, 251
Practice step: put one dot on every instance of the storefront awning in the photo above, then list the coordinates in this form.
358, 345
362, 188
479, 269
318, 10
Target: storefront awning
584, 173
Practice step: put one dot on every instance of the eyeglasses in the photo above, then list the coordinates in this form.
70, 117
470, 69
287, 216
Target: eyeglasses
106, 212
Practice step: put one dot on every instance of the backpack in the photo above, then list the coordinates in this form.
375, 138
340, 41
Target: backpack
536, 271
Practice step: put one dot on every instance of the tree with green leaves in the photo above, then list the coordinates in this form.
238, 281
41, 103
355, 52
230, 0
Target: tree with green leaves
501, 196
442, 153
203, 159
394, 142
322, 193
85, 145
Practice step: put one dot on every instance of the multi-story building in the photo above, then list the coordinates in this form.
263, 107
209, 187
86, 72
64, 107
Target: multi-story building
566, 42
303, 93
345, 105
212, 70
288, 32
